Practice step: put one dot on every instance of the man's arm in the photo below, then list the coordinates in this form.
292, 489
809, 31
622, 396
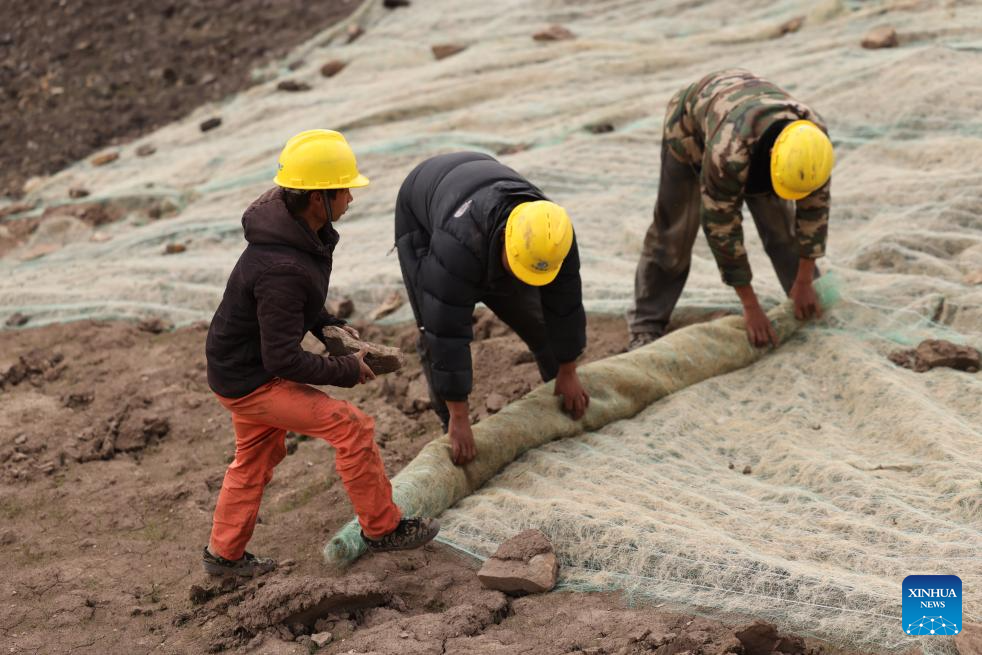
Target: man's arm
811, 229
280, 298
724, 176
565, 319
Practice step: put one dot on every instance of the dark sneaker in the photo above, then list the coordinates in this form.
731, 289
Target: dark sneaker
247, 566
409, 534
641, 339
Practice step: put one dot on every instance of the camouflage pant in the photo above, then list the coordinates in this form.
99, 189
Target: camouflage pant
667, 249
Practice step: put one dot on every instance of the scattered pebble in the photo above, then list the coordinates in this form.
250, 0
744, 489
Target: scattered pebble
322, 638
174, 248
790, 26
445, 50
747, 470
155, 325
354, 31
393, 302
599, 128
554, 33
210, 124
145, 150
340, 307
77, 192
880, 37
333, 67
17, 319
293, 86
395, 4
103, 159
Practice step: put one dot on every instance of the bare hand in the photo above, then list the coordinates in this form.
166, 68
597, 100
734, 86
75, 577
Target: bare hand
365, 374
805, 300
759, 328
462, 440
350, 330
568, 385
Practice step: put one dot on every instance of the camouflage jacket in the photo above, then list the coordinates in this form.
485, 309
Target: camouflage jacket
713, 125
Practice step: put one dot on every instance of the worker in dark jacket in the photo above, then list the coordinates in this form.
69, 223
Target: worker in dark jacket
468, 230
260, 372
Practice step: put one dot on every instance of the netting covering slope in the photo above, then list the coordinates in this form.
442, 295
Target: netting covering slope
830, 519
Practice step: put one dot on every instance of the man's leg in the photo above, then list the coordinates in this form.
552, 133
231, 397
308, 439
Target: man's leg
303, 409
774, 218
522, 312
667, 250
258, 449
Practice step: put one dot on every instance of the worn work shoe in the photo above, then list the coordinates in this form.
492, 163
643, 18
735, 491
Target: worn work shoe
409, 534
641, 339
247, 566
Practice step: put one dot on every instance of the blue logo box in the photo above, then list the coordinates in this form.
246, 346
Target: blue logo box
932, 605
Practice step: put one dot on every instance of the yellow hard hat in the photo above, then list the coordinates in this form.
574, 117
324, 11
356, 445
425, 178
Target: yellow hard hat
318, 159
801, 160
538, 237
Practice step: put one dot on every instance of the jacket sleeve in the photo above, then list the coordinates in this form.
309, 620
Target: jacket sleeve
280, 299
725, 168
812, 222
562, 308
447, 296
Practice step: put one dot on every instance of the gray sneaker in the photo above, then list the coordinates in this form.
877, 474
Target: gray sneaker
409, 534
247, 566
640, 339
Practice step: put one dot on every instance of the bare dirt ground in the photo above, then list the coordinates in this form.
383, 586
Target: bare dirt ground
112, 451
79, 75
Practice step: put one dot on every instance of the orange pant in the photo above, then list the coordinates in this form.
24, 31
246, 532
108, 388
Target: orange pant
261, 421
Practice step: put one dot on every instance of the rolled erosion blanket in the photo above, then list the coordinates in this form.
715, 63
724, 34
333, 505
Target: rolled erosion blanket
619, 387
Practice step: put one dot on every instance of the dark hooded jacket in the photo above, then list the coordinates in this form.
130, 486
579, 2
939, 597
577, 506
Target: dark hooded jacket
450, 219
274, 296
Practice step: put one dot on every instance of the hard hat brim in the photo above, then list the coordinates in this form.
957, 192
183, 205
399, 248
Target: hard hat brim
528, 276
786, 193
357, 183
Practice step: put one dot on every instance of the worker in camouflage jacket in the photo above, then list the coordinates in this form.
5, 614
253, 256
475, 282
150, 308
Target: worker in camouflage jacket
733, 137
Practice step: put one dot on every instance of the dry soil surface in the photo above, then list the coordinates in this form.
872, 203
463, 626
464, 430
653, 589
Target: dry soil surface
112, 451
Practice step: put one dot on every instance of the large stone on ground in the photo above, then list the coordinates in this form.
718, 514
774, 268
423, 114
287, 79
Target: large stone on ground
525, 564
932, 353
381, 359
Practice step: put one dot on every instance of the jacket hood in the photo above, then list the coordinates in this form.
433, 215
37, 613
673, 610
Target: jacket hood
268, 222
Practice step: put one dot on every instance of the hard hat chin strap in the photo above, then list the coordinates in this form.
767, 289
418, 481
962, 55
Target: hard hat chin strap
327, 207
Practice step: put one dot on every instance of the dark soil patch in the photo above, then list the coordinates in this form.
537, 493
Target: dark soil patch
78, 76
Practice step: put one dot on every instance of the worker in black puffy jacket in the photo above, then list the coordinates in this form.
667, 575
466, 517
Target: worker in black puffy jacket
469, 229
